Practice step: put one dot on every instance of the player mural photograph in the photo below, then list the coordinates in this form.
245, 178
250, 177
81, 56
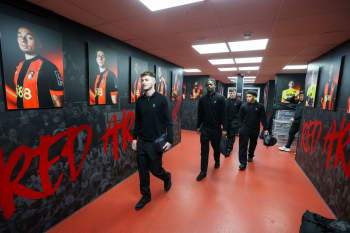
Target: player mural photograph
330, 84
291, 94
138, 66
103, 75
311, 85
196, 91
176, 89
162, 80
32, 61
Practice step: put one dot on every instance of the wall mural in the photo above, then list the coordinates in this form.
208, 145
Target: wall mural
330, 85
287, 88
54, 161
138, 66
323, 154
176, 81
32, 65
163, 81
193, 87
103, 75
311, 85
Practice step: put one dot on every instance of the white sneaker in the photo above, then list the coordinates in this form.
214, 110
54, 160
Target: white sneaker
283, 148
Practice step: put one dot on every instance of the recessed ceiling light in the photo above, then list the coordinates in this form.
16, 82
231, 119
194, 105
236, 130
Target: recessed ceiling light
248, 45
192, 70
211, 48
295, 67
228, 69
221, 61
249, 68
155, 5
248, 60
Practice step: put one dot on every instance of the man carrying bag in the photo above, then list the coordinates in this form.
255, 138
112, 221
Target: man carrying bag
153, 135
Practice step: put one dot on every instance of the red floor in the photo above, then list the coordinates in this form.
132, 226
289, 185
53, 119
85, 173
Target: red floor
270, 196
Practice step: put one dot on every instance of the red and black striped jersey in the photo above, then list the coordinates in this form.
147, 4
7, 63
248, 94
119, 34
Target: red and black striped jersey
36, 80
105, 86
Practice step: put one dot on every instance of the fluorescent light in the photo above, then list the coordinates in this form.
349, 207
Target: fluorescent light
221, 61
232, 78
249, 68
248, 60
248, 45
192, 70
211, 48
228, 69
155, 5
295, 67
248, 81
249, 77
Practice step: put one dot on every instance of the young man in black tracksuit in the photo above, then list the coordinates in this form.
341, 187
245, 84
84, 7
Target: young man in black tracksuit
211, 121
152, 119
250, 115
232, 116
294, 128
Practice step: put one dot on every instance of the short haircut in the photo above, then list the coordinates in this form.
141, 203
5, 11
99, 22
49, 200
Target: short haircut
211, 80
232, 90
148, 73
301, 92
250, 92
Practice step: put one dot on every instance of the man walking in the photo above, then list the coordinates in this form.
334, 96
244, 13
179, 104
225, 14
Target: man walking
232, 110
152, 120
211, 120
250, 115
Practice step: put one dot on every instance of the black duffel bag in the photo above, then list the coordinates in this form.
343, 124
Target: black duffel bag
223, 145
314, 223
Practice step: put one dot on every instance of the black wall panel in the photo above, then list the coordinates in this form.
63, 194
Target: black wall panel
323, 149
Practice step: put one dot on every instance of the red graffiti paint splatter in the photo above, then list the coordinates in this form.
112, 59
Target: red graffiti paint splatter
13, 187
342, 142
125, 126
310, 135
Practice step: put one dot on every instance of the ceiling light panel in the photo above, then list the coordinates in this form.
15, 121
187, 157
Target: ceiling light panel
295, 67
192, 70
249, 68
211, 48
248, 45
156, 5
248, 60
228, 69
221, 61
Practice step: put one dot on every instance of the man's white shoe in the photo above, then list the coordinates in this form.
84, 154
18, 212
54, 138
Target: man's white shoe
283, 148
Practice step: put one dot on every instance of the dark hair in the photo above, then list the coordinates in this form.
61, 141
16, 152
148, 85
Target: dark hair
232, 90
211, 80
301, 92
250, 92
148, 73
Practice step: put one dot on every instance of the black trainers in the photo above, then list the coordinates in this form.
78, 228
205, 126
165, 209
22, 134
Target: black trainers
144, 200
167, 183
201, 176
250, 158
242, 167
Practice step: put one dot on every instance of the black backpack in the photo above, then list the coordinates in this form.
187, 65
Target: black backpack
314, 223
